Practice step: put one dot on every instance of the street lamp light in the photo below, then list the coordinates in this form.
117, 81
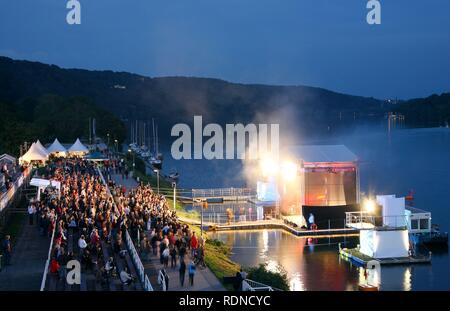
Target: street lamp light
134, 159
157, 178
117, 145
369, 205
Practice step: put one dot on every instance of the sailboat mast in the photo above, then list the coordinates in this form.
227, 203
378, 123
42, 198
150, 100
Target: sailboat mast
153, 133
143, 133
137, 132
157, 151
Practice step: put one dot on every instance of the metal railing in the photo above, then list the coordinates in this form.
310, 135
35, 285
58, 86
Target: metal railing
132, 249
162, 280
47, 262
221, 192
364, 220
11, 192
253, 286
137, 263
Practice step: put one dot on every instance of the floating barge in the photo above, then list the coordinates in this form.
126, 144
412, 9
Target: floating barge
359, 258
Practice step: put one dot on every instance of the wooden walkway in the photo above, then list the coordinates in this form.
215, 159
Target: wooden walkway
273, 224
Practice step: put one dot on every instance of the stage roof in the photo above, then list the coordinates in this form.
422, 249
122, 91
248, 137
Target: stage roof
323, 153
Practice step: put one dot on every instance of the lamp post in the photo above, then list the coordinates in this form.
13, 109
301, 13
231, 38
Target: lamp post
157, 178
134, 159
174, 186
107, 135
204, 206
117, 145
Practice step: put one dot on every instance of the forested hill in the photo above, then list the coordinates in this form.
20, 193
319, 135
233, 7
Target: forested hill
177, 99
172, 100
426, 112
50, 116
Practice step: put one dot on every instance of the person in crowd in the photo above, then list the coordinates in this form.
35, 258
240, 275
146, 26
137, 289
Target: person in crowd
125, 277
109, 267
54, 267
82, 244
7, 250
62, 259
31, 213
173, 256
194, 245
182, 271
165, 255
243, 276
191, 270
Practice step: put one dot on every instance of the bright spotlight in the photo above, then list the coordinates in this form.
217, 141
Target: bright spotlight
268, 167
369, 205
289, 171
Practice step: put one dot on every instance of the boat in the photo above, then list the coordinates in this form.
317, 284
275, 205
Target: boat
174, 176
156, 159
433, 238
156, 163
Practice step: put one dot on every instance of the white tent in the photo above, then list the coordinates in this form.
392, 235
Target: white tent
41, 147
78, 147
56, 147
33, 154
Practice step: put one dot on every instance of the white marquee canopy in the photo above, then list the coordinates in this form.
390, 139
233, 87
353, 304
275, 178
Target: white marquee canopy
78, 147
56, 147
33, 154
41, 147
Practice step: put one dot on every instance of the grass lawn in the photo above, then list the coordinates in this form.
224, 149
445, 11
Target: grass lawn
217, 258
357, 253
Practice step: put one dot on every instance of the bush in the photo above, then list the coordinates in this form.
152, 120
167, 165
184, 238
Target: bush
275, 279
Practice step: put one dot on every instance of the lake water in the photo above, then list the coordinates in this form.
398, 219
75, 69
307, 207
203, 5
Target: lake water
391, 163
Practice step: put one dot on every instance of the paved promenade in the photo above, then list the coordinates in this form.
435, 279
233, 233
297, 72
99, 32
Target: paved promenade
204, 279
30, 252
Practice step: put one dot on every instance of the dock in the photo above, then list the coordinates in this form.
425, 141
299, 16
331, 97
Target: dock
218, 195
273, 224
356, 256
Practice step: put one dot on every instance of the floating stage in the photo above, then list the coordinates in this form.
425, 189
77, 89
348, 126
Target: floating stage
356, 256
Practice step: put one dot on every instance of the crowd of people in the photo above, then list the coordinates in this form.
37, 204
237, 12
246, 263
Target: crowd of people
84, 206
9, 172
157, 230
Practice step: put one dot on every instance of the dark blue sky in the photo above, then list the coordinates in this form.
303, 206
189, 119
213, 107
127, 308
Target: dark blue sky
309, 42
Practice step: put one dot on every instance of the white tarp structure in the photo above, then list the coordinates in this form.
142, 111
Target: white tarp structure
267, 191
56, 147
393, 211
384, 243
41, 147
33, 154
44, 183
78, 147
